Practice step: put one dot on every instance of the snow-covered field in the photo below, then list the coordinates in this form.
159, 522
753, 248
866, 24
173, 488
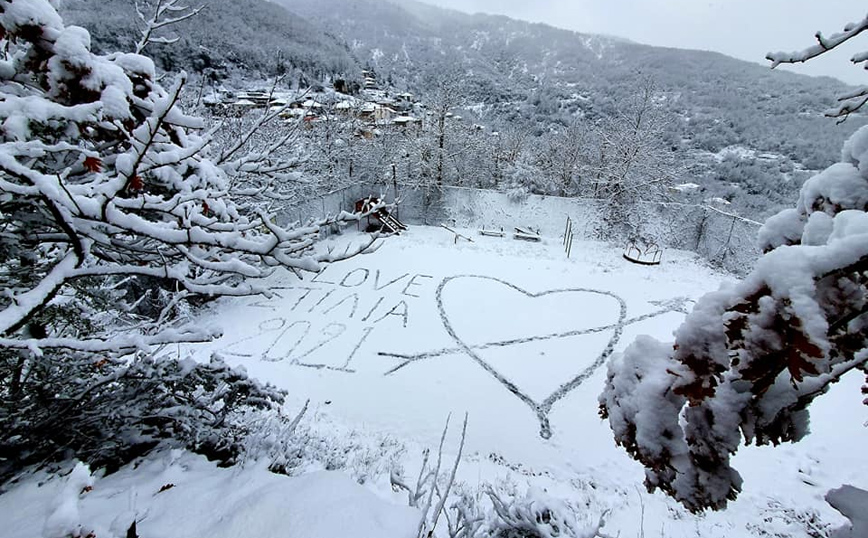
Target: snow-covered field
515, 335
510, 332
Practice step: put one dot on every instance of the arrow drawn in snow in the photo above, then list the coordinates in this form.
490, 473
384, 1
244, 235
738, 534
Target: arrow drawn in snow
541, 409
408, 359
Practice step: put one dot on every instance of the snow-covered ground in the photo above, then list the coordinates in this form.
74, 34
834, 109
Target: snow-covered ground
397, 339
512, 333
177, 494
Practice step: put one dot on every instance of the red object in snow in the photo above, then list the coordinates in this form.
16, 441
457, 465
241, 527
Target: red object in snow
92, 164
388, 222
136, 184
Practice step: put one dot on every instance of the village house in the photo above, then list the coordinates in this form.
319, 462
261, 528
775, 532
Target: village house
404, 122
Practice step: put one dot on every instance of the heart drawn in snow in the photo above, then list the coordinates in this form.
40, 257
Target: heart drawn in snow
527, 319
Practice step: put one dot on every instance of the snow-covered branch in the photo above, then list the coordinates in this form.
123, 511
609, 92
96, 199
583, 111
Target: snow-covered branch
750, 359
164, 13
121, 345
824, 44
124, 186
850, 102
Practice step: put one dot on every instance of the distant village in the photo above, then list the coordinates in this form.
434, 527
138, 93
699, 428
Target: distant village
373, 107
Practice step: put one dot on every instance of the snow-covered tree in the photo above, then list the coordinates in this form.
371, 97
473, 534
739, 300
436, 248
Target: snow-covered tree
103, 175
507, 145
627, 160
561, 158
329, 141
108, 191
435, 146
750, 358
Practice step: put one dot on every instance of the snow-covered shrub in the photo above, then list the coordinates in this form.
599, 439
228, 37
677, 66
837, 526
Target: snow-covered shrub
533, 515
780, 521
751, 357
115, 216
294, 445
108, 412
518, 181
501, 511
486, 511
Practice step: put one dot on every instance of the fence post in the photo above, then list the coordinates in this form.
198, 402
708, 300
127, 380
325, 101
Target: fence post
699, 236
568, 236
395, 197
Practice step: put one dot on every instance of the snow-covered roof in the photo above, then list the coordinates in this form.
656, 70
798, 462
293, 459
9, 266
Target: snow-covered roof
294, 112
685, 187
253, 95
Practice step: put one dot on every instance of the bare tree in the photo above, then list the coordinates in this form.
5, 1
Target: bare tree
627, 160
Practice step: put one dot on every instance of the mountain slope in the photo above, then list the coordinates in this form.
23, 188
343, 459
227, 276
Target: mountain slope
744, 133
723, 101
248, 37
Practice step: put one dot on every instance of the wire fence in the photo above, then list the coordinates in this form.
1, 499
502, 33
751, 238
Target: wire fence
723, 239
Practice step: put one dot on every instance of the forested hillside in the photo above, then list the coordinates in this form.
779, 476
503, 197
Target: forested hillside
747, 136
770, 123
252, 38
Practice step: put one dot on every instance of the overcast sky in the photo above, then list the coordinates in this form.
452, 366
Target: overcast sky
746, 29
